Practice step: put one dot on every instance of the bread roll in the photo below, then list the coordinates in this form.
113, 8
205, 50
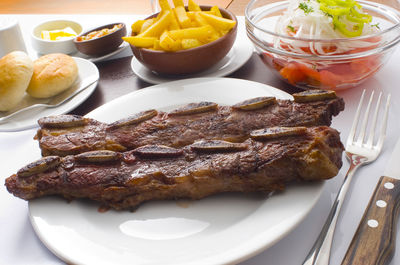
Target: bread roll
52, 74
16, 70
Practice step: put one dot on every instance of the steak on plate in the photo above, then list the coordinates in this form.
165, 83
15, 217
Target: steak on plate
269, 160
69, 134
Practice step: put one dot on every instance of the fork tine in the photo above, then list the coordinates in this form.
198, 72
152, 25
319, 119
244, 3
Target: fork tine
384, 124
365, 120
373, 126
350, 138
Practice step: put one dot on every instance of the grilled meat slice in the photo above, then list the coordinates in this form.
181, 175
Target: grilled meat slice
67, 134
267, 161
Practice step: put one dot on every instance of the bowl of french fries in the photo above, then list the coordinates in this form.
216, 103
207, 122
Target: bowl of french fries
183, 39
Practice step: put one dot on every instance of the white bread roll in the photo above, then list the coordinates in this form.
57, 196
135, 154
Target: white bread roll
16, 70
52, 74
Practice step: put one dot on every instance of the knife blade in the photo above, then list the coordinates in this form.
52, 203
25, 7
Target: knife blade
374, 240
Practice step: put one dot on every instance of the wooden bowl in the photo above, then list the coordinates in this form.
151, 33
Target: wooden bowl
192, 60
103, 45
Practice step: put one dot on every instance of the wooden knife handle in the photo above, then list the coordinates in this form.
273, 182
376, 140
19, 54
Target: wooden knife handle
374, 240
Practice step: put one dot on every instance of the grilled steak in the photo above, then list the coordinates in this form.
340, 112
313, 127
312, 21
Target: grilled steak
267, 161
67, 134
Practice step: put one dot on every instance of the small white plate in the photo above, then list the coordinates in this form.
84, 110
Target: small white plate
240, 53
93, 59
220, 229
28, 119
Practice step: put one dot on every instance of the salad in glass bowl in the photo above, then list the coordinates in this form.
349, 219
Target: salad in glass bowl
323, 44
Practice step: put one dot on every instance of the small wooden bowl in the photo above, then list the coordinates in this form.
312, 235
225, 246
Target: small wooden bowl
192, 60
103, 45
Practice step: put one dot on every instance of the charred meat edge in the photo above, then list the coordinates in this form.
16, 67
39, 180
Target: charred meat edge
183, 126
125, 180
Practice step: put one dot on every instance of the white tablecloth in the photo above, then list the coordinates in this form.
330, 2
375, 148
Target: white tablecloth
20, 245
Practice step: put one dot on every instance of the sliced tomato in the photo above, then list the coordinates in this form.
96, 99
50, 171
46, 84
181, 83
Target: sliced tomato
330, 79
351, 71
340, 69
308, 71
292, 73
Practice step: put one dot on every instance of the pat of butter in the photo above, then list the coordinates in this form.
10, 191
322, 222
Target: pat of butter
62, 34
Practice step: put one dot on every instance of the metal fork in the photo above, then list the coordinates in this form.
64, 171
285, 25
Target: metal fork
359, 152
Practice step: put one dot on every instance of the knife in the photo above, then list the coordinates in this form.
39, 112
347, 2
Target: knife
374, 240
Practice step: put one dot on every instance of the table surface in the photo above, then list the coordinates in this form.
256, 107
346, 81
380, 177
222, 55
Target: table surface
99, 6
110, 7
20, 245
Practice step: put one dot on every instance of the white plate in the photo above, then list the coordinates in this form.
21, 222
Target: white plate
29, 119
225, 228
240, 53
93, 59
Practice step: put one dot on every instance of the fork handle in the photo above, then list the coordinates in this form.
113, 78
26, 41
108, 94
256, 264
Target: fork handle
374, 240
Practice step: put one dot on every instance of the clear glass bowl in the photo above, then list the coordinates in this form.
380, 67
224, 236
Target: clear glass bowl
333, 71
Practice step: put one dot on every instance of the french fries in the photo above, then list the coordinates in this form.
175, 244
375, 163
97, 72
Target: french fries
219, 23
216, 11
143, 42
159, 26
192, 6
176, 28
178, 3
183, 19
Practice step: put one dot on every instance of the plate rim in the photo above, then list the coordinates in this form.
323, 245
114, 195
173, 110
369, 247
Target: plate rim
103, 58
178, 82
